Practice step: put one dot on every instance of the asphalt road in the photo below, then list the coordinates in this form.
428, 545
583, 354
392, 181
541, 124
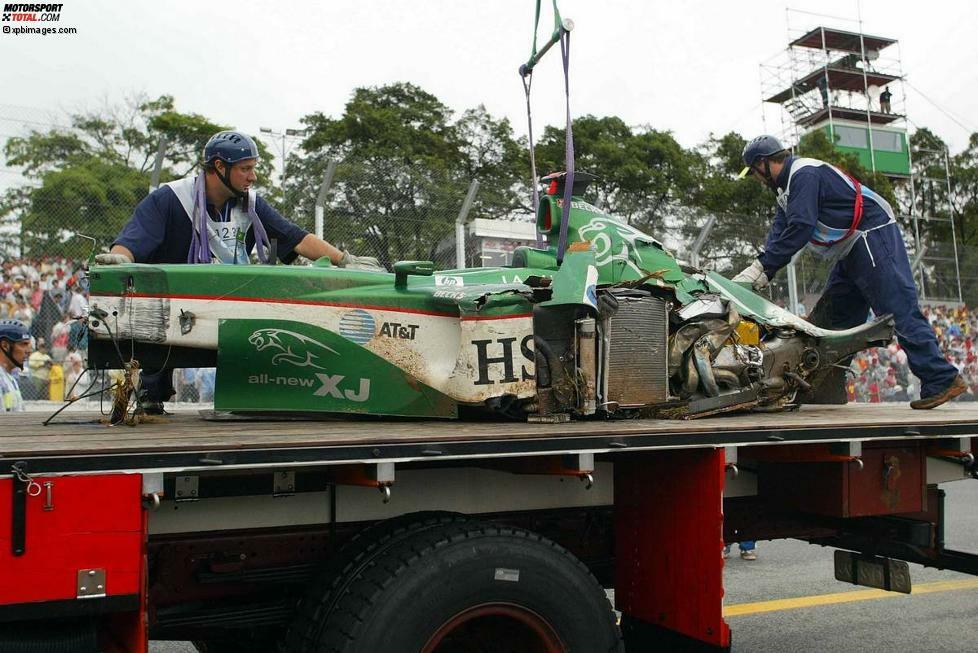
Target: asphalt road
935, 620
937, 617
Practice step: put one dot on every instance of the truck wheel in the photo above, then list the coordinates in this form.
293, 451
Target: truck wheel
471, 587
316, 607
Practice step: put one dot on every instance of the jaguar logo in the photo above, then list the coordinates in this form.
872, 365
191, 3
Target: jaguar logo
290, 347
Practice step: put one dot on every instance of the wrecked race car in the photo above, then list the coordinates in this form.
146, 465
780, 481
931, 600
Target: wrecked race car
618, 328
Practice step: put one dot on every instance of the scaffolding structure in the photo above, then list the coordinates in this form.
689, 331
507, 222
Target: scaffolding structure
849, 84
833, 78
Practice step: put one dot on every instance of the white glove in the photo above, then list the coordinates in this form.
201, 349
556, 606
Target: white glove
754, 275
112, 259
351, 262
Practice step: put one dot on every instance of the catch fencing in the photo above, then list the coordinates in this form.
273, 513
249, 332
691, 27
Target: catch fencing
383, 209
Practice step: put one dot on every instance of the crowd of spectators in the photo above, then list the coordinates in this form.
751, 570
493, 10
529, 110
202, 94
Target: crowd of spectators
882, 374
50, 296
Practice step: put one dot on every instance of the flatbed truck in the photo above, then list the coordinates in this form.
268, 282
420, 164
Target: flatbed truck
264, 534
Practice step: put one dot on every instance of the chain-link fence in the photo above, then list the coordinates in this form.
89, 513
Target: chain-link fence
727, 243
382, 208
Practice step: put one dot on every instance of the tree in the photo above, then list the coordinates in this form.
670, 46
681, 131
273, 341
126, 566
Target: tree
643, 174
87, 179
935, 210
500, 163
930, 197
405, 168
946, 197
93, 197
743, 209
964, 178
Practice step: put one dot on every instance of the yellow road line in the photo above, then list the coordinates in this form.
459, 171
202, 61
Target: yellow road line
742, 609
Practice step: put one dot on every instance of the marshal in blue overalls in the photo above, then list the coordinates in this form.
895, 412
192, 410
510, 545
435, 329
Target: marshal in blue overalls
826, 210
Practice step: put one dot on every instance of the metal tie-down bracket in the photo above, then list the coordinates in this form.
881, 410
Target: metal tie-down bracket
378, 475
152, 491
91, 584
957, 448
23, 486
579, 464
849, 452
186, 488
730, 456
283, 484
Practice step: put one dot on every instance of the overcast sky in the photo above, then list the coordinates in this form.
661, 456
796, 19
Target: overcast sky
690, 67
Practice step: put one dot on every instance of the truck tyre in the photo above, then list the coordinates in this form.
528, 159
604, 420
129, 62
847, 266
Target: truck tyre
470, 587
316, 607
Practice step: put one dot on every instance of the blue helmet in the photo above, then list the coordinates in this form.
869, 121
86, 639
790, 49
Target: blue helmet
759, 148
14, 330
230, 147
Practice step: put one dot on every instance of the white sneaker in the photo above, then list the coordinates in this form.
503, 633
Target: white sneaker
750, 554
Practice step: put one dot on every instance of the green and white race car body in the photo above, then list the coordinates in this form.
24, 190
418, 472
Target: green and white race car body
618, 327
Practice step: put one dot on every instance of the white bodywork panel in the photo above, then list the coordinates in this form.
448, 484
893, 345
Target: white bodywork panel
442, 352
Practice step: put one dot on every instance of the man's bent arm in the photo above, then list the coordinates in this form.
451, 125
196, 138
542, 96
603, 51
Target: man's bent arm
799, 224
314, 248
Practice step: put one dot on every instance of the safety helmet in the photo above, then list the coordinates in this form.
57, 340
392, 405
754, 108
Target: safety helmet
759, 148
230, 147
14, 330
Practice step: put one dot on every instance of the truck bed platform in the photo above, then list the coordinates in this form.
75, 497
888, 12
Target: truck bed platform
82, 442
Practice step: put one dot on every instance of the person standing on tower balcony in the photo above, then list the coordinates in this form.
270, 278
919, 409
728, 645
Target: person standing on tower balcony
823, 88
885, 99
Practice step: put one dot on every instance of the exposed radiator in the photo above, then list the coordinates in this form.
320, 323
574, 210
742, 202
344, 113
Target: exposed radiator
636, 355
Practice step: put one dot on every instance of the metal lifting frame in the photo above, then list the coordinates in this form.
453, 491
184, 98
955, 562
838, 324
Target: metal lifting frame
561, 34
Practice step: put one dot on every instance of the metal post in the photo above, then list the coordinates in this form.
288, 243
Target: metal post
919, 258
154, 182
694, 251
283, 148
460, 224
826, 59
321, 197
869, 115
919, 246
950, 213
284, 161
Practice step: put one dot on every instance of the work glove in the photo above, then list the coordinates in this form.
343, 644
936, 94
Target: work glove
112, 259
368, 263
753, 275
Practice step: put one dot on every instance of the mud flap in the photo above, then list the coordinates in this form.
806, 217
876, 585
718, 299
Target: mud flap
872, 571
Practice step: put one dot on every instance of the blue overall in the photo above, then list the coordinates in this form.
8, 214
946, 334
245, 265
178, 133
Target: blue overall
873, 272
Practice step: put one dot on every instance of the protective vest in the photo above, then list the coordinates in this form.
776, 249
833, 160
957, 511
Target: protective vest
224, 239
10, 398
833, 243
